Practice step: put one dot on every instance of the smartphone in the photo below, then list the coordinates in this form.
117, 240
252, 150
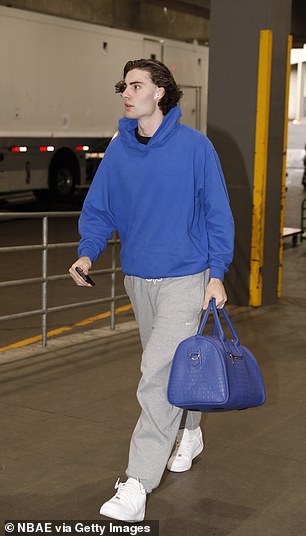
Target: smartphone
85, 277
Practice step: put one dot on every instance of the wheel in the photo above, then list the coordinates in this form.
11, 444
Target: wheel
64, 174
62, 180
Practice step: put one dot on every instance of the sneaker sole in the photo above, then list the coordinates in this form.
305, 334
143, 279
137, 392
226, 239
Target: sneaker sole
195, 454
108, 511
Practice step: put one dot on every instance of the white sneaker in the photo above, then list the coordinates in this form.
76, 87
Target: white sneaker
129, 502
189, 444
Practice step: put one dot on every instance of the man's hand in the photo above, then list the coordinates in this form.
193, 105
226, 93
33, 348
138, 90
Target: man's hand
215, 289
85, 264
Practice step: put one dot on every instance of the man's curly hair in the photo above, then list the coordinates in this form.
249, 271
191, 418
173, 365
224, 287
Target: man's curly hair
161, 77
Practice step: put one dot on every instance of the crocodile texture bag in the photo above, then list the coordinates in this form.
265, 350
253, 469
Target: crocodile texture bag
212, 373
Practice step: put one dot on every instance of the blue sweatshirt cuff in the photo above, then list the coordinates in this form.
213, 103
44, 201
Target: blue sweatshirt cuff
216, 272
87, 252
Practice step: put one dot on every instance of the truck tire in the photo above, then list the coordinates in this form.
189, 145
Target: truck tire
64, 174
63, 177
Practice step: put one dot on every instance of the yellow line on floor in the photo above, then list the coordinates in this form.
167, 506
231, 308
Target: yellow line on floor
58, 331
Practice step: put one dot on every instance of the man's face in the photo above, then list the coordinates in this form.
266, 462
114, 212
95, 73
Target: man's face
140, 95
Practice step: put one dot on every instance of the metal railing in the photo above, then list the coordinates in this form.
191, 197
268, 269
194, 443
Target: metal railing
44, 246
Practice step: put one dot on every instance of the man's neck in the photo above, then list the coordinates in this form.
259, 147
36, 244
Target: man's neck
147, 126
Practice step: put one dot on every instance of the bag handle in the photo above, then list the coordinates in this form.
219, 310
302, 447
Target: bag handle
212, 307
204, 319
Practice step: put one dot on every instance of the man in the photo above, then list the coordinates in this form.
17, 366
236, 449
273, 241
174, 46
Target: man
160, 184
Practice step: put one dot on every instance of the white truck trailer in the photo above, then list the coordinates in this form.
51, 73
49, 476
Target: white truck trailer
58, 107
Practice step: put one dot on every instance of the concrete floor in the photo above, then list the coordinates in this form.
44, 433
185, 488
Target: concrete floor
67, 413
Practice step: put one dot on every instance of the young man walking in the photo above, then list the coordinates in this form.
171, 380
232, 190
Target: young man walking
160, 184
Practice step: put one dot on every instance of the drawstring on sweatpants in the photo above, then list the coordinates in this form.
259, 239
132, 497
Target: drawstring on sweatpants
154, 280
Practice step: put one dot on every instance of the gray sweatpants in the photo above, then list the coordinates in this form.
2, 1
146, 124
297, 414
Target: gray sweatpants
167, 311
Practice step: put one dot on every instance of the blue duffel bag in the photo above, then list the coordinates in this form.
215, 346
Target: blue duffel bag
212, 373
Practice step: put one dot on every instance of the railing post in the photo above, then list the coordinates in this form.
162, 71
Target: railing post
44, 292
113, 279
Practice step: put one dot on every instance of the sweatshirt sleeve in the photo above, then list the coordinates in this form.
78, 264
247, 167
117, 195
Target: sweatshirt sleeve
218, 216
97, 222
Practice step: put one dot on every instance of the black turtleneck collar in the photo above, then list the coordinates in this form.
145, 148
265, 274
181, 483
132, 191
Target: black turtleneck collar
142, 139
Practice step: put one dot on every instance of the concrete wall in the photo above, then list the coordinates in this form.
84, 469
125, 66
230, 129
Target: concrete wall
146, 17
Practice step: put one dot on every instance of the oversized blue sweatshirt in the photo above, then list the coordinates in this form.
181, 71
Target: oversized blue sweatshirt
167, 199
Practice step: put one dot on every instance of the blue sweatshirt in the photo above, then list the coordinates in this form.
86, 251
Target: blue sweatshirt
167, 199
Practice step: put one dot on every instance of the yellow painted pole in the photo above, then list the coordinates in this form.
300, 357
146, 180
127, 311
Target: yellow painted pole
283, 198
260, 166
